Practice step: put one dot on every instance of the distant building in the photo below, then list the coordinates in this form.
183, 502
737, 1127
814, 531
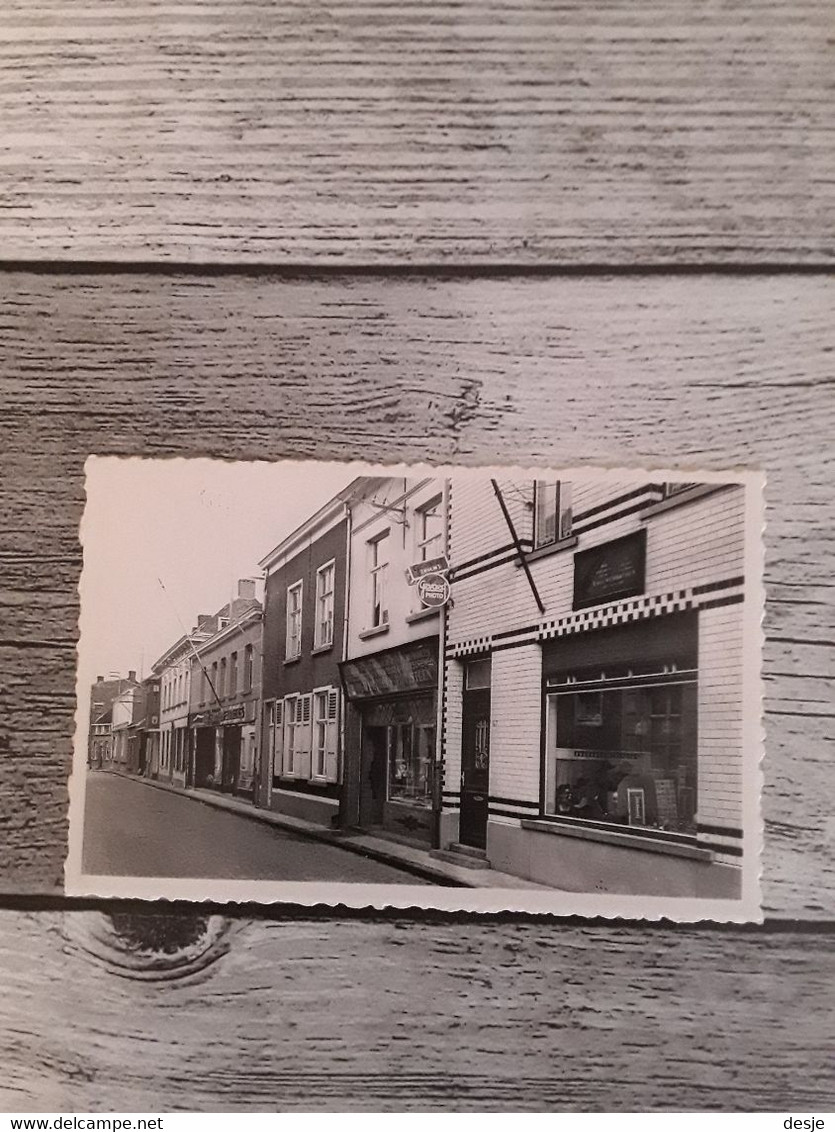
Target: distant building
147, 726
127, 710
101, 739
102, 695
224, 696
173, 670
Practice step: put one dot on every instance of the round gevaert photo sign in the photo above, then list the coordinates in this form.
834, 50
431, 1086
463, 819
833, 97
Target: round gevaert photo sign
433, 590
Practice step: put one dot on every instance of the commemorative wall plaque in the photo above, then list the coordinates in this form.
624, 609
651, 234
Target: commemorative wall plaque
610, 572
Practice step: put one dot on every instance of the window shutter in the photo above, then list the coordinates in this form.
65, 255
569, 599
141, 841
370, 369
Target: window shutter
277, 739
303, 736
332, 737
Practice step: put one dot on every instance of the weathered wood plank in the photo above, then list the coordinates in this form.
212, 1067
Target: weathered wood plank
664, 370
373, 131
398, 1015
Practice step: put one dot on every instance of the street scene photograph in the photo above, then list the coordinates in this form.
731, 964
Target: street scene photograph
542, 683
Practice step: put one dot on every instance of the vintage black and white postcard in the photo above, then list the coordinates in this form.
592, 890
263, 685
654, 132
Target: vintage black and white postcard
517, 689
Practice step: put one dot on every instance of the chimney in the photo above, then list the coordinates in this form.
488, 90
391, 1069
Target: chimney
99, 679
132, 675
246, 588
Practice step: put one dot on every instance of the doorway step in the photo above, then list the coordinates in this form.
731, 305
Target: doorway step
465, 856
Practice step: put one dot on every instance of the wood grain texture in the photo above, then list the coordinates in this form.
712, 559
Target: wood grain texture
371, 131
691, 371
405, 1016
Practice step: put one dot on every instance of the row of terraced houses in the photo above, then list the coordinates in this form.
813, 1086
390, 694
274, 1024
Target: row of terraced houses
540, 676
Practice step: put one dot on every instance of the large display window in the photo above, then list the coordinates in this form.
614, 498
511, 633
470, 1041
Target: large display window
411, 753
621, 746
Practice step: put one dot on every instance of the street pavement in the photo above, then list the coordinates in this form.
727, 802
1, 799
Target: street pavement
134, 829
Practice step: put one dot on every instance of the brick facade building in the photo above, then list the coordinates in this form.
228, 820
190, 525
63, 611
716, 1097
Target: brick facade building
304, 633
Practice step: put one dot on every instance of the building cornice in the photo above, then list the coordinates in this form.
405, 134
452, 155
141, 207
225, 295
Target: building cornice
328, 516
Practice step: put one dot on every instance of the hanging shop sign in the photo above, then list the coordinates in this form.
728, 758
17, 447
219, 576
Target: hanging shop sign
409, 668
433, 590
610, 572
439, 565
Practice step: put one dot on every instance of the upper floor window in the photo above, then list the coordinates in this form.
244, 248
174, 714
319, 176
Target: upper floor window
204, 686
430, 531
221, 690
671, 489
378, 563
294, 621
222, 623
324, 605
215, 690
233, 674
552, 512
248, 668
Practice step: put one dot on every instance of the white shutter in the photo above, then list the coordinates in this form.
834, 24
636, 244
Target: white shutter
303, 736
332, 737
277, 739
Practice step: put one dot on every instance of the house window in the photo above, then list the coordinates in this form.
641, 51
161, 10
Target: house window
477, 674
214, 679
325, 719
621, 746
294, 621
222, 623
297, 713
671, 489
204, 686
411, 752
378, 562
233, 674
248, 668
552, 512
221, 690
291, 711
430, 531
324, 605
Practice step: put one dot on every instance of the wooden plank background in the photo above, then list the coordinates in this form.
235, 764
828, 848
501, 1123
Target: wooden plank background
453, 231
377, 131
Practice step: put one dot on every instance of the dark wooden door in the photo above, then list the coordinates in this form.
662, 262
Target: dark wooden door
231, 758
475, 768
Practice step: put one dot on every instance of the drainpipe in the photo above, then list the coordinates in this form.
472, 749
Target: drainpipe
440, 747
344, 818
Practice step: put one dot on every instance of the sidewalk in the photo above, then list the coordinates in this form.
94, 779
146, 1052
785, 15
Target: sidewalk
409, 858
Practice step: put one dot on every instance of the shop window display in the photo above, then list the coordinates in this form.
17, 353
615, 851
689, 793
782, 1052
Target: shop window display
411, 751
621, 747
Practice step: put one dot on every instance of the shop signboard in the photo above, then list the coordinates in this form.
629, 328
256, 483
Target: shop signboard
610, 572
235, 713
433, 590
410, 668
439, 565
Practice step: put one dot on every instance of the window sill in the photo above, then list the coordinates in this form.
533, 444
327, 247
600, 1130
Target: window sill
423, 614
376, 631
626, 840
547, 551
293, 659
681, 499
321, 648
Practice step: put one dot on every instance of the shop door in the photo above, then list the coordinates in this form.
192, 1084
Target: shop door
475, 768
231, 758
204, 756
374, 770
